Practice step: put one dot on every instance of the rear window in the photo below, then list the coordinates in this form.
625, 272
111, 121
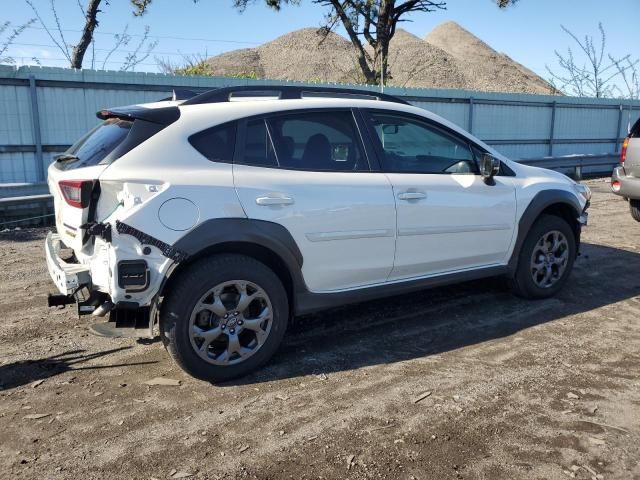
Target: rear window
95, 147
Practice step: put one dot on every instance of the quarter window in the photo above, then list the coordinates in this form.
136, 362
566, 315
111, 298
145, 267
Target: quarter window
412, 146
216, 143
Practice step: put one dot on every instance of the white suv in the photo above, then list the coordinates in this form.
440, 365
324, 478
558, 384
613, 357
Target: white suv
223, 216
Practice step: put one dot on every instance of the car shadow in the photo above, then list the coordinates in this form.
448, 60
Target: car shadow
23, 372
443, 319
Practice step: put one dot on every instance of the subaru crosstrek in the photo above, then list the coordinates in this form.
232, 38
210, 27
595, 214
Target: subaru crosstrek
220, 217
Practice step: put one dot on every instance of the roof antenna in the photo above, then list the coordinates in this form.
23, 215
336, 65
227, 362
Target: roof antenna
173, 97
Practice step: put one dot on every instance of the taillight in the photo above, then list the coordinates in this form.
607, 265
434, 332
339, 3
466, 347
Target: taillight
623, 152
77, 193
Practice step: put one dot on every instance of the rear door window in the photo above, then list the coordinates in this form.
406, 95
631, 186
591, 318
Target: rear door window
94, 148
258, 146
306, 140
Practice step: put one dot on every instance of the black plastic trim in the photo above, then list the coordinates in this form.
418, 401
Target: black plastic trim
308, 302
288, 92
541, 201
130, 272
166, 249
270, 235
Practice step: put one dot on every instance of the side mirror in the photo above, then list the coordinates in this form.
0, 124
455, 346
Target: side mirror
489, 166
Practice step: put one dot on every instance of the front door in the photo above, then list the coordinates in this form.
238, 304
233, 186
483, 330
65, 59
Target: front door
448, 218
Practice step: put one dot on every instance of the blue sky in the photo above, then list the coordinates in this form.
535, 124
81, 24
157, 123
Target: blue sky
528, 32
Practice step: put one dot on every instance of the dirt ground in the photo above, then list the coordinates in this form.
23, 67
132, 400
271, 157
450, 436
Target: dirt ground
519, 389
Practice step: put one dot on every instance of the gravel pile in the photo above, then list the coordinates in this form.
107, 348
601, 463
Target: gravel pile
244, 61
305, 54
300, 55
484, 68
449, 57
416, 63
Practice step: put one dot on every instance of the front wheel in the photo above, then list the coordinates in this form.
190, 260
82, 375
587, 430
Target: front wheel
546, 258
225, 317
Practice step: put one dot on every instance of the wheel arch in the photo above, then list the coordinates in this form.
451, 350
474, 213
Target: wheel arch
560, 203
269, 243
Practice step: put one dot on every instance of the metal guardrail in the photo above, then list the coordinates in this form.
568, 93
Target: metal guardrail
598, 165
15, 211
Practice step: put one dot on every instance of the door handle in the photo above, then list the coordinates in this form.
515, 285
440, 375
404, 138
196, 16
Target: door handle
273, 200
412, 195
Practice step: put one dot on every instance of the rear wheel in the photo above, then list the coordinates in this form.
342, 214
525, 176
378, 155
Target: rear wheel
225, 317
634, 207
546, 258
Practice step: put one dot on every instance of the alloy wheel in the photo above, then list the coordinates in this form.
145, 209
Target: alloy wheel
230, 322
549, 259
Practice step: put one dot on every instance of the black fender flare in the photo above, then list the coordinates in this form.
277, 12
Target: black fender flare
537, 205
269, 235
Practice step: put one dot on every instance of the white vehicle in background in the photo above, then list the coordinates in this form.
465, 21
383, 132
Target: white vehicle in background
625, 179
223, 216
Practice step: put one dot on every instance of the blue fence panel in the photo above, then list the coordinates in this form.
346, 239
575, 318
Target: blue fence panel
520, 126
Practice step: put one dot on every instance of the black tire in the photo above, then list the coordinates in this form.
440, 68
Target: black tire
189, 288
523, 283
634, 208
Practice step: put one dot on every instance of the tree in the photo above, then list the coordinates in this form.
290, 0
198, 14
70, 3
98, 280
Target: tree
11, 38
593, 72
370, 25
75, 54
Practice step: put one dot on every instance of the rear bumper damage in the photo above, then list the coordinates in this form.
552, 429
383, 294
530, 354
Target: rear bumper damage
118, 273
68, 277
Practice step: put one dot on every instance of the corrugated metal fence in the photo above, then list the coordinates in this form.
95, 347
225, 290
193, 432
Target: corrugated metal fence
44, 110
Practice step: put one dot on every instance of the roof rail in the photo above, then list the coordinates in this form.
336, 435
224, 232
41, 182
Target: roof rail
287, 92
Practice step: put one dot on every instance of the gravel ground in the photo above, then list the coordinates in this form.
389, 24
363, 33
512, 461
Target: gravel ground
464, 382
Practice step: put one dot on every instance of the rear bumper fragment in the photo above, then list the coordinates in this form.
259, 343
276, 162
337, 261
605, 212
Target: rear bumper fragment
68, 277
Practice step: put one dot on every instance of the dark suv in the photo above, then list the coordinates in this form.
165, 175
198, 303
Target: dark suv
625, 180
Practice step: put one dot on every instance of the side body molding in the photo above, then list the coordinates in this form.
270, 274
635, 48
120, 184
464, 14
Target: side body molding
538, 204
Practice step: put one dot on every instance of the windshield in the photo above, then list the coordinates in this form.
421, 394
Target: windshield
94, 148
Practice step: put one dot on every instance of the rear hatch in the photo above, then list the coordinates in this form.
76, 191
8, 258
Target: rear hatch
74, 176
630, 158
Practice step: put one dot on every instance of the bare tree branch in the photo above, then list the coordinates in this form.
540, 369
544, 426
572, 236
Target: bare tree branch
120, 40
7, 42
591, 77
62, 49
133, 58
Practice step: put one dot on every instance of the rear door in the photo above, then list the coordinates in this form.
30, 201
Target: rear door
448, 218
72, 177
308, 171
